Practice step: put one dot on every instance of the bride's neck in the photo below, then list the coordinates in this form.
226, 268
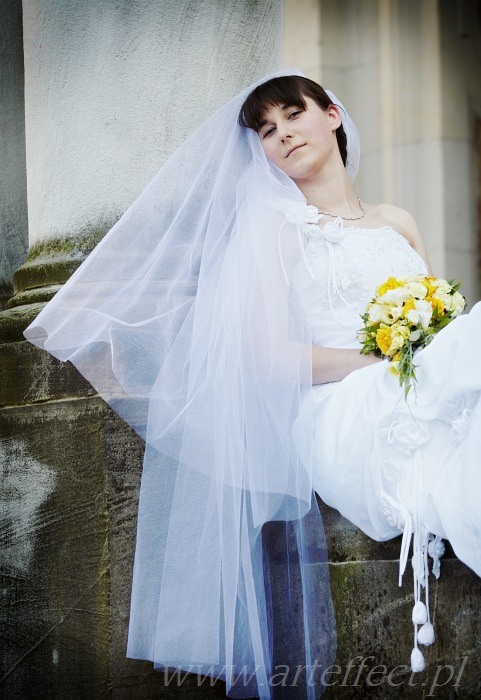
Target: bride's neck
333, 193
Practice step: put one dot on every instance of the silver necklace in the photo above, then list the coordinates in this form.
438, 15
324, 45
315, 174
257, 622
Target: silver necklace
346, 218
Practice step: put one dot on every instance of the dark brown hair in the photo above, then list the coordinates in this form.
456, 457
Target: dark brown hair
288, 90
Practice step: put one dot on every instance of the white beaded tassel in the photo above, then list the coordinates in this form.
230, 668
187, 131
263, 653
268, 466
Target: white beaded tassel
421, 542
420, 575
424, 543
426, 633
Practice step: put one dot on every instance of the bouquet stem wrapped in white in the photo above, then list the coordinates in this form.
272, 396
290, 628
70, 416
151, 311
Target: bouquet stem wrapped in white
405, 315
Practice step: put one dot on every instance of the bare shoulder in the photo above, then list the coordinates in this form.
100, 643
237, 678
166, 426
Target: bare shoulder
403, 222
399, 219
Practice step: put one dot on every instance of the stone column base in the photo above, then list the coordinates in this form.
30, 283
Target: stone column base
49, 264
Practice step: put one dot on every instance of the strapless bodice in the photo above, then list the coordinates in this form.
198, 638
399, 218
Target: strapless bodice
339, 273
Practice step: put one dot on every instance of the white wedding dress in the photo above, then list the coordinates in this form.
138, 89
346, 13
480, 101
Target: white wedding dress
388, 465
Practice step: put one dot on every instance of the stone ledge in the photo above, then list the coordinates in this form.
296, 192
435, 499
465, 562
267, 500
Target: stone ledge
49, 264
33, 296
43, 272
29, 375
13, 321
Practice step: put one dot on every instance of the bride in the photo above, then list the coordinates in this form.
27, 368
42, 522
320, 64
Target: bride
388, 464
219, 318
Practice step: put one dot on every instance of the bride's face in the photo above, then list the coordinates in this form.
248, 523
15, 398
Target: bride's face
300, 141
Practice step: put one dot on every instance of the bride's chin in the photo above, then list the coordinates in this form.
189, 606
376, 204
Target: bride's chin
304, 174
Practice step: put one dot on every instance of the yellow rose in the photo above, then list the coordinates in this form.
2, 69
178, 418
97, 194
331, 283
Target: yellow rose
437, 304
408, 306
396, 361
390, 283
428, 283
399, 334
383, 339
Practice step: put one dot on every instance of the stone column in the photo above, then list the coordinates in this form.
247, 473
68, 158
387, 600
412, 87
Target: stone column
460, 36
111, 89
13, 180
384, 59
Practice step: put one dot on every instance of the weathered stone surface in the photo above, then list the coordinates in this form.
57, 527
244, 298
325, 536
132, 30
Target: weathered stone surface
33, 296
55, 551
13, 321
374, 624
345, 542
44, 272
29, 375
71, 477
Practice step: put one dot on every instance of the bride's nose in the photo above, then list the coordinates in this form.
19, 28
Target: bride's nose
284, 131
285, 134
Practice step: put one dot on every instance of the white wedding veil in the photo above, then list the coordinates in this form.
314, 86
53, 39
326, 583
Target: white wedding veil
185, 320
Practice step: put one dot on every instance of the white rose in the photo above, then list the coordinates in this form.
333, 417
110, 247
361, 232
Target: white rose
421, 313
444, 298
298, 213
417, 289
441, 286
396, 312
333, 232
396, 296
408, 434
377, 313
457, 303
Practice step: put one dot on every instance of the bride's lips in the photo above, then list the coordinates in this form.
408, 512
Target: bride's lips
294, 148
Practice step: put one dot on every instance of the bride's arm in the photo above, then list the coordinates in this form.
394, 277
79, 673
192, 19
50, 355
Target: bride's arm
328, 364
333, 364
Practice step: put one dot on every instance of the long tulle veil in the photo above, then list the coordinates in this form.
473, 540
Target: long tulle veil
185, 320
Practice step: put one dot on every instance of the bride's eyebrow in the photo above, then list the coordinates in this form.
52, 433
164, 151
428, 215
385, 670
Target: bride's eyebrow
263, 122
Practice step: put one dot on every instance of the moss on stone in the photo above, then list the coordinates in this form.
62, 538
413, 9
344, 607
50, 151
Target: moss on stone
33, 296
77, 246
52, 261
14, 321
49, 264
6, 291
45, 272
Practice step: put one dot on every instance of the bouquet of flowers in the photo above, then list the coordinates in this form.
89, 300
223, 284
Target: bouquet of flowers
405, 315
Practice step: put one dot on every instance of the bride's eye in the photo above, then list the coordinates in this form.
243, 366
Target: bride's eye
295, 112
268, 132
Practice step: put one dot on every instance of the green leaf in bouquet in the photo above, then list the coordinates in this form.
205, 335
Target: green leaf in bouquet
443, 322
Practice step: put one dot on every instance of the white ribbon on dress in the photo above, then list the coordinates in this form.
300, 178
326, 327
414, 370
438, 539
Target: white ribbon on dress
408, 435
305, 218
